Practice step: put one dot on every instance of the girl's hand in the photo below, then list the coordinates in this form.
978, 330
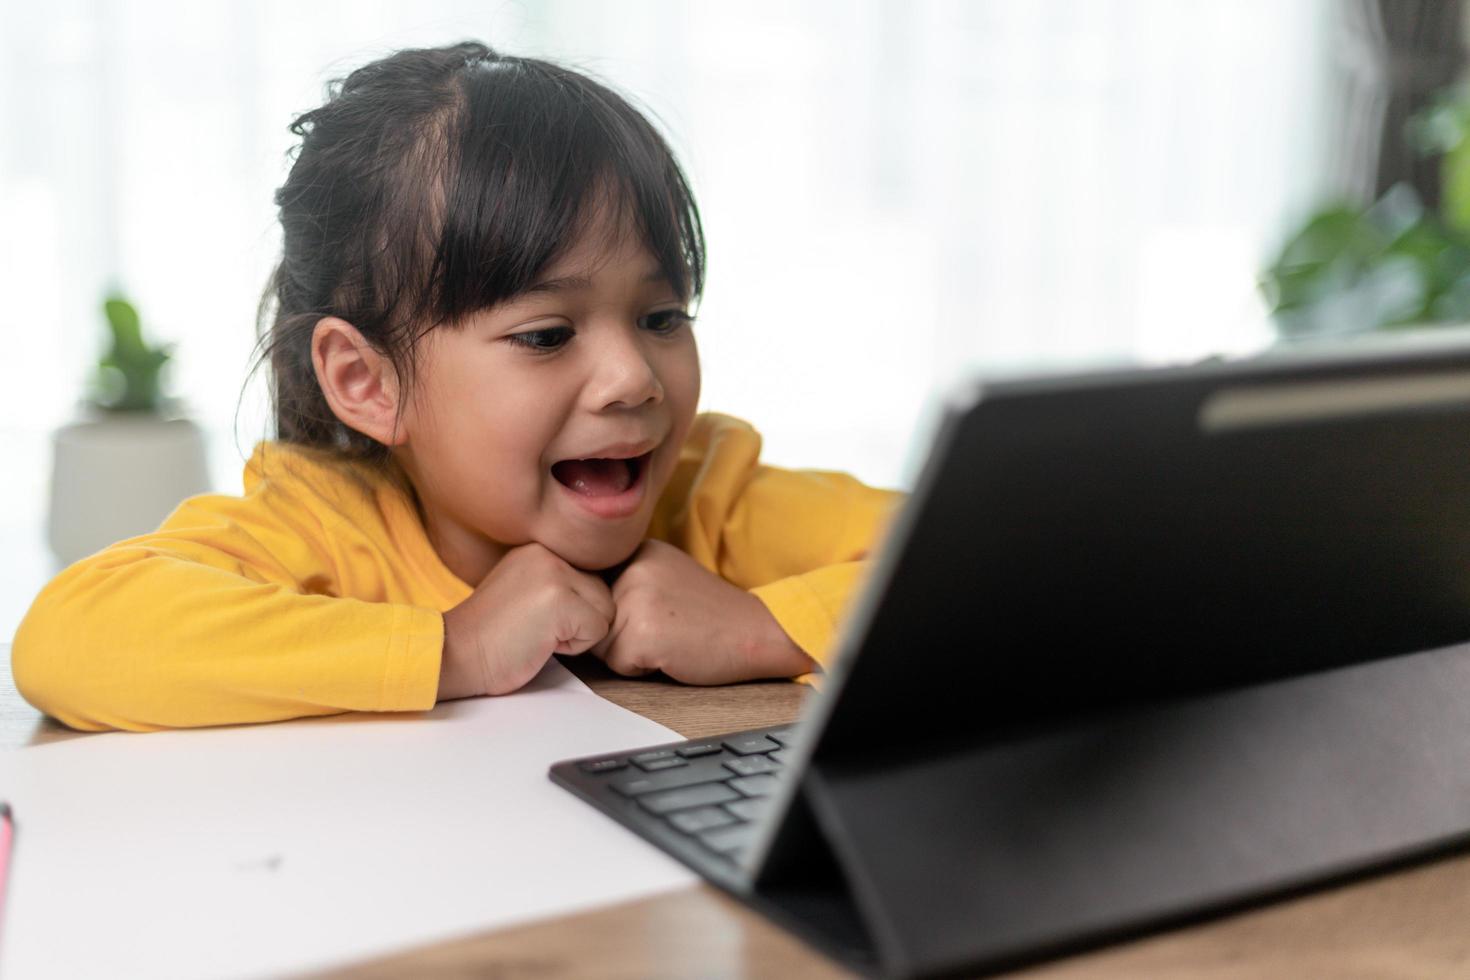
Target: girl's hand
675, 616
531, 605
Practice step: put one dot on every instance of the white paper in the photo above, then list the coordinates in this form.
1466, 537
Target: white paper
257, 850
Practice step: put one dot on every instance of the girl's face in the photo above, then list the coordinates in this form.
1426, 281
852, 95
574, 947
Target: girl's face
555, 417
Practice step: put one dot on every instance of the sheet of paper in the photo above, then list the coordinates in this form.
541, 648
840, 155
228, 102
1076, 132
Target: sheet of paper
258, 850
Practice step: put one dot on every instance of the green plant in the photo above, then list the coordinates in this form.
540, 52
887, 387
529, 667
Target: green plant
1444, 128
128, 376
1352, 269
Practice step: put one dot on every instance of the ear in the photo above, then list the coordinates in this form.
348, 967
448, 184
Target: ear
360, 384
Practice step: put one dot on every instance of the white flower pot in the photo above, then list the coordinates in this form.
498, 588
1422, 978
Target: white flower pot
117, 475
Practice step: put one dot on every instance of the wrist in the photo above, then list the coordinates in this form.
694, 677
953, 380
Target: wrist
460, 674
772, 652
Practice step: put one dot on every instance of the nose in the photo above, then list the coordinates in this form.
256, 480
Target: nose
624, 376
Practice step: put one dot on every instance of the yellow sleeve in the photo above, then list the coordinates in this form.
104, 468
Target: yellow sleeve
798, 540
224, 615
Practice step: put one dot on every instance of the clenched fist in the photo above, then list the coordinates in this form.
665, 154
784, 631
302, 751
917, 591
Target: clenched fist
675, 616
531, 605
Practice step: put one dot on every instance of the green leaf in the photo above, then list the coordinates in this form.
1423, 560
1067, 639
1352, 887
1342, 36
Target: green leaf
128, 376
1454, 181
122, 317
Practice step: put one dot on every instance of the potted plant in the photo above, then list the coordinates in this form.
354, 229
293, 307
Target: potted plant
1390, 265
122, 468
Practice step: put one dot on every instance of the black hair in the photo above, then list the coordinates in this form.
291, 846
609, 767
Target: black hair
437, 182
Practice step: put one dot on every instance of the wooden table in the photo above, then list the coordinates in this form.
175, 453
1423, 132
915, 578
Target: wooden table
1411, 923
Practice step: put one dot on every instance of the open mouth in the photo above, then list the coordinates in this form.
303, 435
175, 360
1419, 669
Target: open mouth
600, 477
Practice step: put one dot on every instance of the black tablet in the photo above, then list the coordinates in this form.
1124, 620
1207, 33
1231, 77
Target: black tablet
1142, 646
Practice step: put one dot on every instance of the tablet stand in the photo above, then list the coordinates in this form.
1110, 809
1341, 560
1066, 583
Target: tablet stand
984, 858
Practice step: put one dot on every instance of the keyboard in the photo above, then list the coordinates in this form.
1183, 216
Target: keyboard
700, 800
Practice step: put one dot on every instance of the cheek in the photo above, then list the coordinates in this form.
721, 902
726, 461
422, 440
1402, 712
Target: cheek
681, 378
492, 427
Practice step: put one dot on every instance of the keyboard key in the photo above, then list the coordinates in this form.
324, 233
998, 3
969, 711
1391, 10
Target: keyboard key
751, 745
654, 765
688, 797
700, 771
603, 765
695, 751
643, 757
705, 818
761, 785
750, 808
729, 841
750, 765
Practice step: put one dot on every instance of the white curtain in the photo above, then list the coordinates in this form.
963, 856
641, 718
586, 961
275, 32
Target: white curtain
895, 193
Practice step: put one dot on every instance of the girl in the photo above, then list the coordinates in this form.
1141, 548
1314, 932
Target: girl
484, 380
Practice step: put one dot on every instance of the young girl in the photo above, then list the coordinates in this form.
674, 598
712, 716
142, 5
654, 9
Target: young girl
484, 378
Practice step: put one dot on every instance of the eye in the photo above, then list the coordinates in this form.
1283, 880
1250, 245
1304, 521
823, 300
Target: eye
543, 341
665, 322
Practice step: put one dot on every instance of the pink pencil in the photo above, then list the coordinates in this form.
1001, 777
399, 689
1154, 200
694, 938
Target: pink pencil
6, 830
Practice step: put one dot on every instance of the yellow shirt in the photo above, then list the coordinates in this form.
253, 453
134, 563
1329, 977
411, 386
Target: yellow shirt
318, 591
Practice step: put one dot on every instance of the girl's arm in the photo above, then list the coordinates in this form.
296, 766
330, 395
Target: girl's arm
797, 540
230, 613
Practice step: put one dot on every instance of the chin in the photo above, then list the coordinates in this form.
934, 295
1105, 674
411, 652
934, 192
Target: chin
595, 556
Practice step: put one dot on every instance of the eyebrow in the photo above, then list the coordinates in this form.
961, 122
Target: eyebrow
569, 284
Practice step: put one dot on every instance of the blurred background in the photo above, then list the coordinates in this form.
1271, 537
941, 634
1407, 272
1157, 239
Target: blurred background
896, 194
